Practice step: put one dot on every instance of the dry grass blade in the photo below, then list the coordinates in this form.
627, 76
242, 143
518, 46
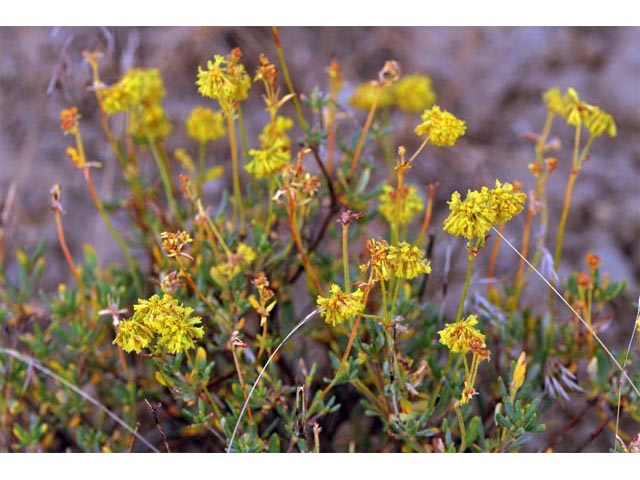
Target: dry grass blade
35, 364
255, 384
559, 295
624, 365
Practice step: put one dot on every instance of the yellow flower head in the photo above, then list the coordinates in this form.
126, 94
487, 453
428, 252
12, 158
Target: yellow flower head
268, 162
413, 93
364, 94
340, 306
471, 218
236, 263
600, 122
378, 260
150, 121
178, 331
133, 336
399, 206
442, 128
204, 125
408, 261
276, 131
163, 319
474, 217
505, 202
576, 111
138, 88
224, 80
554, 101
460, 336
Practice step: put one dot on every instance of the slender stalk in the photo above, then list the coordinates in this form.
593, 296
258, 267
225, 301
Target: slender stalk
525, 250
365, 131
166, 180
345, 257
287, 79
298, 241
420, 148
427, 214
494, 257
67, 253
331, 130
567, 200
112, 230
198, 292
463, 432
466, 287
201, 155
243, 133
237, 192
241, 380
394, 366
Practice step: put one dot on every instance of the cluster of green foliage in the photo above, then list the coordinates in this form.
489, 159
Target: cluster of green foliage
165, 348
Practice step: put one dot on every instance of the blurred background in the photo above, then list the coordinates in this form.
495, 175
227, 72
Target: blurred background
492, 78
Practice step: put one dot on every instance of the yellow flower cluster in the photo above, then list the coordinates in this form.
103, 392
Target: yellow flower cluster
340, 306
462, 336
225, 80
505, 201
204, 125
401, 261
577, 112
365, 93
138, 88
275, 153
480, 210
152, 121
160, 324
408, 261
139, 92
442, 128
413, 93
399, 206
378, 260
236, 263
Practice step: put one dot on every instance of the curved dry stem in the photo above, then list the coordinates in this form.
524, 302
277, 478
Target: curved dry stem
255, 384
38, 366
586, 325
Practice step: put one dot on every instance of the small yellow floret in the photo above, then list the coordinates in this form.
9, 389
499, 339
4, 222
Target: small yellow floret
460, 336
340, 306
413, 93
442, 128
204, 125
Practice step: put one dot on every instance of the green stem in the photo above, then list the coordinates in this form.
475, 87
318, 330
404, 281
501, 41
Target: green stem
383, 288
463, 432
201, 155
466, 286
164, 176
345, 257
287, 79
112, 230
237, 193
567, 199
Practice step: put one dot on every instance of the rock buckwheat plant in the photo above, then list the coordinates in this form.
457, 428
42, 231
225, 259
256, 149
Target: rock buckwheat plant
312, 291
